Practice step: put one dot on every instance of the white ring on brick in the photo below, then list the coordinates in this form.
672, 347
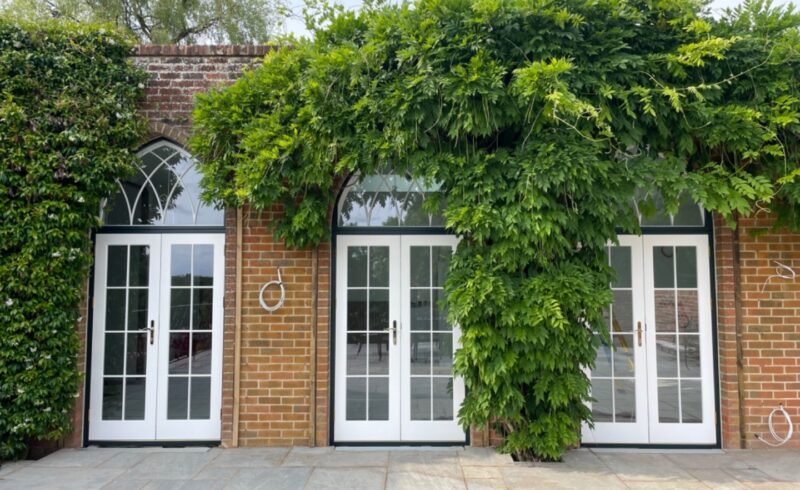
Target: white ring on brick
278, 283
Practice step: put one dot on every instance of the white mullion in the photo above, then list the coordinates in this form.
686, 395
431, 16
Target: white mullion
125, 326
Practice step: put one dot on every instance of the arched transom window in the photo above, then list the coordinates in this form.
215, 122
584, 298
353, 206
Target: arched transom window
386, 200
164, 191
689, 214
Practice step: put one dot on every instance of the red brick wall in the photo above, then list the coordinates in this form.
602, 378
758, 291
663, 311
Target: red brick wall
770, 330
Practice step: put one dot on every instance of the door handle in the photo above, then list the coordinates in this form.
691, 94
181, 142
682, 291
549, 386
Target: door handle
639, 332
151, 331
393, 329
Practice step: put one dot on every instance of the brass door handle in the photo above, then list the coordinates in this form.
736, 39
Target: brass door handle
639, 332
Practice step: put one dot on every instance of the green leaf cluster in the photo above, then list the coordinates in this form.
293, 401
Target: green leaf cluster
544, 120
67, 120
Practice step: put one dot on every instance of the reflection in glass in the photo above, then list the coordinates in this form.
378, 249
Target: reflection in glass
357, 266
420, 266
177, 398
181, 265
602, 405
378, 309
115, 309
201, 353
378, 399
620, 258
663, 267
440, 264
691, 401
202, 306
668, 401
113, 355
137, 309
134, 398
624, 400
686, 265
356, 406
200, 405
179, 307
203, 265
623, 356
379, 267
690, 356
117, 266
356, 353
442, 358
443, 398
665, 310
420, 353
178, 353
602, 363
688, 314
378, 353
420, 309
622, 312
420, 398
388, 200
112, 398
356, 309
140, 265
439, 320
666, 356
136, 362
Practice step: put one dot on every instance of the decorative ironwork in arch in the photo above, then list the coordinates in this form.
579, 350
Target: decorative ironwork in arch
388, 199
164, 191
689, 214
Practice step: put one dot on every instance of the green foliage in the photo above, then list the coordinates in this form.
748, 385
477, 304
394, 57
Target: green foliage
162, 21
543, 120
67, 118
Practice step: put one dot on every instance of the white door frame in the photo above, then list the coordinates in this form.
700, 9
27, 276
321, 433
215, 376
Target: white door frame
399, 427
107, 430
155, 426
629, 432
683, 433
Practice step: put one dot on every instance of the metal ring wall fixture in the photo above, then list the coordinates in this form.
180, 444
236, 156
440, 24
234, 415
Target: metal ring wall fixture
277, 305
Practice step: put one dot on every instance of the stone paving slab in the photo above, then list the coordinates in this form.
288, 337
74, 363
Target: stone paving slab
399, 469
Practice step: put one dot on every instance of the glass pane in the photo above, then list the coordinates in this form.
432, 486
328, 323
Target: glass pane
689, 213
687, 266
442, 398
357, 353
201, 353
420, 266
660, 218
112, 399
442, 353
440, 264
420, 353
420, 398
115, 309
137, 354
602, 363
134, 398
622, 312
624, 400
178, 353
357, 309
620, 258
137, 309
439, 320
691, 401
356, 405
420, 309
378, 309
665, 310
602, 406
378, 398
140, 266
668, 400
202, 305
357, 266
117, 265
113, 355
115, 210
666, 356
663, 269
203, 265
690, 356
379, 353
200, 407
179, 307
379, 267
181, 272
623, 356
688, 319
384, 210
177, 398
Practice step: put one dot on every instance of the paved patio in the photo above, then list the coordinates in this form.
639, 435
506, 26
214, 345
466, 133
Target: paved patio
419, 469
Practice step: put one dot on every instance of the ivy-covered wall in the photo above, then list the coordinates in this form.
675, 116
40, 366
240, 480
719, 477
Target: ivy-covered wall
68, 121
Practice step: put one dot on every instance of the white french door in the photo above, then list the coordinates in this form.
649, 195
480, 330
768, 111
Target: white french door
394, 346
157, 337
655, 383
